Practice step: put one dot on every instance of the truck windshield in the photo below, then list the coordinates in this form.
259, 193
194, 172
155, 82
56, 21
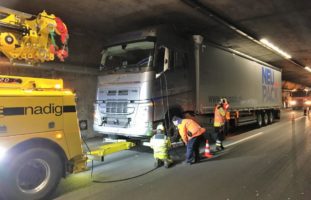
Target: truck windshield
128, 57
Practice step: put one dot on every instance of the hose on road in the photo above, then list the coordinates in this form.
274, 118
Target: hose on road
116, 180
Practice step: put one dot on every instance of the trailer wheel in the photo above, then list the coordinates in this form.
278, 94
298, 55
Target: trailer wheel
265, 118
259, 119
33, 174
270, 117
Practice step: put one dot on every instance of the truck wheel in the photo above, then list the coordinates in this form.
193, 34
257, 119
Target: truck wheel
277, 114
270, 117
259, 119
172, 132
265, 118
33, 174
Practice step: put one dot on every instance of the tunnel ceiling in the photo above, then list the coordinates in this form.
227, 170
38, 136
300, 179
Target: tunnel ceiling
286, 23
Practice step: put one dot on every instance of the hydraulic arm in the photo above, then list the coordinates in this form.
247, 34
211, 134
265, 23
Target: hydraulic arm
33, 39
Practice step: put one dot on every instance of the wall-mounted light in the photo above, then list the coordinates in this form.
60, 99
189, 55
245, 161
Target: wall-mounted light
308, 68
275, 48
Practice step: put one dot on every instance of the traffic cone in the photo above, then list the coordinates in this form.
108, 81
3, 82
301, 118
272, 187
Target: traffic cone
207, 151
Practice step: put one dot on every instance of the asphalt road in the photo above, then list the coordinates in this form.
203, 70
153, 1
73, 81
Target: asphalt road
273, 162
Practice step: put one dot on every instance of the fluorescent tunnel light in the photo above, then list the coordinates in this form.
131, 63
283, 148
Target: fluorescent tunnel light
275, 48
308, 68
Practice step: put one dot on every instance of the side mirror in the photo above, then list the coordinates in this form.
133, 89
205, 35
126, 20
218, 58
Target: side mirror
165, 62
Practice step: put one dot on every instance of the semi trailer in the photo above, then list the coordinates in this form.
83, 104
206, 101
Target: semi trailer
148, 76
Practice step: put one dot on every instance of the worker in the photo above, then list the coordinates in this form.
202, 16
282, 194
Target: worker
161, 144
192, 134
219, 121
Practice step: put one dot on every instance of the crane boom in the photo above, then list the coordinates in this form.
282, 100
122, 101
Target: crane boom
30, 38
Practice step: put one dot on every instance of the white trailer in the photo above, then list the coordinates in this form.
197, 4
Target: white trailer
151, 75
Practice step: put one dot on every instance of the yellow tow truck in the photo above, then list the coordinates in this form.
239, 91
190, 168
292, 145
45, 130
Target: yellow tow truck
40, 138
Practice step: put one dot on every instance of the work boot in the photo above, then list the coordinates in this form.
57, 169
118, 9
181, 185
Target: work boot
218, 148
188, 162
167, 163
157, 163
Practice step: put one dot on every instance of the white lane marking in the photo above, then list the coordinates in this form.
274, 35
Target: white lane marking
244, 139
252, 136
299, 117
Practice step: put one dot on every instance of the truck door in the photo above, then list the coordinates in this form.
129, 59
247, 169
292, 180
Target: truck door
174, 84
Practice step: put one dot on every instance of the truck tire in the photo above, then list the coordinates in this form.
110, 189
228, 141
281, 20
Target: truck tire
265, 118
259, 120
33, 174
172, 131
270, 117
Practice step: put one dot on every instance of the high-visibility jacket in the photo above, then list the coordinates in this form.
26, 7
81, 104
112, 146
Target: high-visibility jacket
227, 115
219, 116
189, 129
160, 144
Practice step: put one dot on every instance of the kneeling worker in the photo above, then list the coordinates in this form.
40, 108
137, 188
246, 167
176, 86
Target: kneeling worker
160, 144
192, 134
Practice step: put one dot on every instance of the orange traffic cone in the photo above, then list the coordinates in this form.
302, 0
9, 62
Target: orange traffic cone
207, 152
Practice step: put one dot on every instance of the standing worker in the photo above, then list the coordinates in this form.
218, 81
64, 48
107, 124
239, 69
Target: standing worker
219, 121
161, 144
192, 134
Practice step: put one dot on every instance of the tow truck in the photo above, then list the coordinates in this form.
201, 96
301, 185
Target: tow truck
40, 139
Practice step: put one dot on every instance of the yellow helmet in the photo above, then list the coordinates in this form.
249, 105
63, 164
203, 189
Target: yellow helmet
160, 127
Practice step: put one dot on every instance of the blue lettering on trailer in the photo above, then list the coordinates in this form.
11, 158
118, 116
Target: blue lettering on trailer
269, 86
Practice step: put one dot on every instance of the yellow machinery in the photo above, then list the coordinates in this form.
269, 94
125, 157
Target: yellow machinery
39, 137
32, 39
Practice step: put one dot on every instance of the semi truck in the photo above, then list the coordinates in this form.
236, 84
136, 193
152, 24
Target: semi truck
40, 140
150, 75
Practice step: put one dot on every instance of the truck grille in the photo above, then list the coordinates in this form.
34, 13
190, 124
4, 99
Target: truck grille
300, 101
116, 107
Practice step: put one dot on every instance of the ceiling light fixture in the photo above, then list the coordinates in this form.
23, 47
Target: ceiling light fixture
275, 48
308, 68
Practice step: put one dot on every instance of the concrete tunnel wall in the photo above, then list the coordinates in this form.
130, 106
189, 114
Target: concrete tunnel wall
84, 86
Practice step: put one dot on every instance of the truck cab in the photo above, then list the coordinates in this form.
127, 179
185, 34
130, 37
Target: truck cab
145, 78
300, 99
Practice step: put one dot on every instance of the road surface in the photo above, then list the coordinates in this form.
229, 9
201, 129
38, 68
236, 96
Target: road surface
273, 162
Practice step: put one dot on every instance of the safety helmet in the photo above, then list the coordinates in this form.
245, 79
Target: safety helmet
160, 127
220, 101
176, 120
224, 100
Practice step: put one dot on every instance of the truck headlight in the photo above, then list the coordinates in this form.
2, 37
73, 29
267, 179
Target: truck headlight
292, 102
308, 103
2, 153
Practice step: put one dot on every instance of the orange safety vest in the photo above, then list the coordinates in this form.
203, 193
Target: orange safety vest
219, 117
227, 115
188, 125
